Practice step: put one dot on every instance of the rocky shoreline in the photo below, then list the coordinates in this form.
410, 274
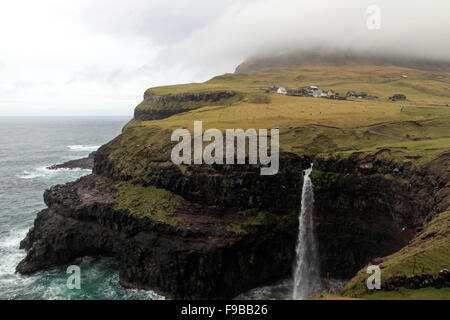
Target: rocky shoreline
86, 163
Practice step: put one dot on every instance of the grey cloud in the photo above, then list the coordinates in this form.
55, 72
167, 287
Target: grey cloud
411, 28
106, 52
159, 20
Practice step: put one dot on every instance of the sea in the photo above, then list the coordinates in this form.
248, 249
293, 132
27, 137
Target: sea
27, 146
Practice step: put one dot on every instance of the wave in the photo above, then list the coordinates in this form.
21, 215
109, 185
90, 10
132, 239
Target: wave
10, 257
82, 147
45, 173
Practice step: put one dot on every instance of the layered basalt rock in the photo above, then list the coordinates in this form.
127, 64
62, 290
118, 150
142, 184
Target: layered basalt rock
368, 209
212, 253
418, 281
236, 229
156, 107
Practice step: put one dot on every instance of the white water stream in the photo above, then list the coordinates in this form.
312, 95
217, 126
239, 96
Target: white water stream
306, 269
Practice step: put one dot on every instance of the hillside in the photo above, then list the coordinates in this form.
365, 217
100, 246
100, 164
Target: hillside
338, 58
327, 126
381, 175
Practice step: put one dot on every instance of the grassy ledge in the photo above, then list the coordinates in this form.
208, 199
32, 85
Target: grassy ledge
148, 202
428, 252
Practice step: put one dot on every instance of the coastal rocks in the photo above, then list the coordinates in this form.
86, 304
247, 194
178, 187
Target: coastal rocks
86, 163
202, 257
63, 232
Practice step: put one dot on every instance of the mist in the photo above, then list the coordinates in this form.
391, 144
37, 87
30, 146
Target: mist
413, 29
98, 57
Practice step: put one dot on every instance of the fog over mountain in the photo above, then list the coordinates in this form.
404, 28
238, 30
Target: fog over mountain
97, 57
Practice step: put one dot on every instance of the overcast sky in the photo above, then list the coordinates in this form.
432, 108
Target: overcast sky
97, 57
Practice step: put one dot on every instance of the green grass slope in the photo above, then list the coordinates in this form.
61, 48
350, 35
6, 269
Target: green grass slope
415, 130
428, 252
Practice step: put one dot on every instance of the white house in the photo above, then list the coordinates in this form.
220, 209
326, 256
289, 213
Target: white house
317, 93
282, 90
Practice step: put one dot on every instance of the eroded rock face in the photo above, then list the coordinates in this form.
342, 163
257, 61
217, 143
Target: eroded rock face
366, 212
418, 281
200, 258
156, 107
236, 229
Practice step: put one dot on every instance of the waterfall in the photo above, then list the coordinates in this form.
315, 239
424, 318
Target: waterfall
306, 269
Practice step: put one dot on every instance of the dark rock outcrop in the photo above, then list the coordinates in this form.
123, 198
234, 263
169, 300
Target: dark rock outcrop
83, 163
199, 259
418, 281
156, 107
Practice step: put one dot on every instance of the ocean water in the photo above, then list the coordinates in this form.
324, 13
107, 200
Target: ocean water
27, 147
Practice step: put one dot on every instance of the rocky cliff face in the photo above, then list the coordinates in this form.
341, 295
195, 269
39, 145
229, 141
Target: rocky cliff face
213, 253
233, 229
366, 209
156, 107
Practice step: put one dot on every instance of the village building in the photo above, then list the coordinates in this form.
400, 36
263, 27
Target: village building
313, 91
272, 88
282, 90
332, 94
316, 94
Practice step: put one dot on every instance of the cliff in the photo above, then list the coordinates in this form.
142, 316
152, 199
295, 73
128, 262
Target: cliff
156, 107
199, 231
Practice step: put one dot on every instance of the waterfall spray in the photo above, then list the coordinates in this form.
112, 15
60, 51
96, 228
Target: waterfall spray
306, 269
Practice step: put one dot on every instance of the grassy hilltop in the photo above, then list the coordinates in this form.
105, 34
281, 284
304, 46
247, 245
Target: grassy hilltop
416, 130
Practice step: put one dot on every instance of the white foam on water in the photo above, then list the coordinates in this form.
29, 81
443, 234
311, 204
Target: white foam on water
83, 147
43, 172
11, 255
